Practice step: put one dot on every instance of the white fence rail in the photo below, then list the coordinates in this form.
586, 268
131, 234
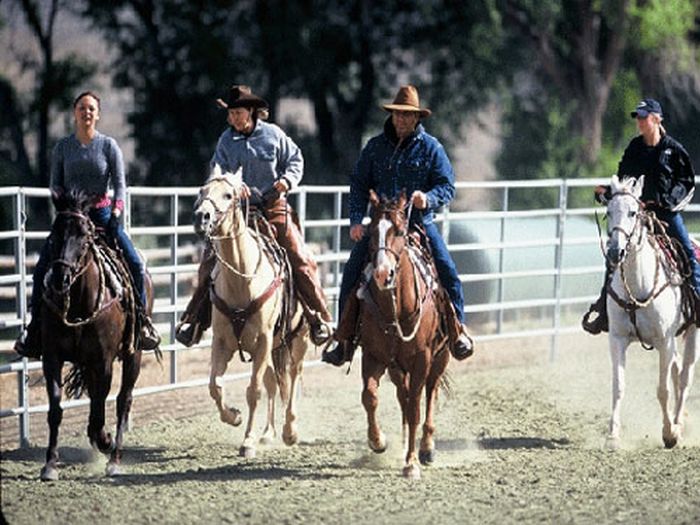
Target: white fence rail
525, 272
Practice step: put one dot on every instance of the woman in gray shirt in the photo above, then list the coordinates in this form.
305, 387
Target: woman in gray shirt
88, 161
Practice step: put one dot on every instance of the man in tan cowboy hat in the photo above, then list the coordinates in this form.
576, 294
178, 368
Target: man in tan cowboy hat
272, 164
403, 157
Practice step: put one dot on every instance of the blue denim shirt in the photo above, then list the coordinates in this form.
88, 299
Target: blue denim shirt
419, 163
266, 155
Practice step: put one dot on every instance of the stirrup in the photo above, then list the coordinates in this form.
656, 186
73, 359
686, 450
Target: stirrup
463, 347
320, 331
595, 326
149, 338
338, 355
189, 333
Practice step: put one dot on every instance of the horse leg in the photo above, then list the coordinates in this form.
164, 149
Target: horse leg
418, 376
667, 356
98, 387
426, 453
131, 367
400, 379
686, 376
220, 357
618, 356
296, 368
372, 372
52, 374
253, 392
270, 381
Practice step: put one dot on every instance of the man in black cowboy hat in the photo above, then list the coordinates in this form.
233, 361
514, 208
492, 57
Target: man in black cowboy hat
272, 164
404, 156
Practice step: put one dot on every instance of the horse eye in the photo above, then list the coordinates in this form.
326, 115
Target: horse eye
632, 213
228, 196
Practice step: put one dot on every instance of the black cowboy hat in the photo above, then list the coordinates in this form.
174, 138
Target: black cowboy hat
240, 96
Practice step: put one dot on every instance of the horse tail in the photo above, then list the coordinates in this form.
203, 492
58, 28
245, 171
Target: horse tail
75, 381
446, 385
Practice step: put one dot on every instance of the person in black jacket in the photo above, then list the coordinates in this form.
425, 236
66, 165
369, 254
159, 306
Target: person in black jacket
669, 184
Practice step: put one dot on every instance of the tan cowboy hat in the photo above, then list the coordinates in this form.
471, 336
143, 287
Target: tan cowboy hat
407, 100
240, 96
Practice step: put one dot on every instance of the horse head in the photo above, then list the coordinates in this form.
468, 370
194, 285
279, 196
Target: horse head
623, 213
217, 201
388, 231
72, 235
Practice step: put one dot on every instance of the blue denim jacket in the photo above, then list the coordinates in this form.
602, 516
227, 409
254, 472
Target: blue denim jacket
420, 163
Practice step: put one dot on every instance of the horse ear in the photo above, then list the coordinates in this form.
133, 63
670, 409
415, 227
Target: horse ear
638, 187
615, 183
215, 171
403, 198
373, 198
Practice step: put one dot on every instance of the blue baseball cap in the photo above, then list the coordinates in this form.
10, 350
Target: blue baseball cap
646, 106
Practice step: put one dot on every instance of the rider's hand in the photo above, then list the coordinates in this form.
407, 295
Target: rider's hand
357, 231
113, 225
281, 186
599, 193
419, 199
245, 191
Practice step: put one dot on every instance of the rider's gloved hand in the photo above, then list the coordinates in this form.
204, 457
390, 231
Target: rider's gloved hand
113, 226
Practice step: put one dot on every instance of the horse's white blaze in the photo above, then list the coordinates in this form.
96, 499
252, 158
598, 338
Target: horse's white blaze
384, 266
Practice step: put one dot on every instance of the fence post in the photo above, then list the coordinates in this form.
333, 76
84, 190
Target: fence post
21, 268
501, 259
558, 261
174, 239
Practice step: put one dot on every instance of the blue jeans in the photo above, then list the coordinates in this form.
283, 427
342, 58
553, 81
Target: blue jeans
99, 216
677, 230
447, 271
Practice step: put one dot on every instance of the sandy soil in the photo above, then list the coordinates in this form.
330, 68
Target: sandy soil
521, 439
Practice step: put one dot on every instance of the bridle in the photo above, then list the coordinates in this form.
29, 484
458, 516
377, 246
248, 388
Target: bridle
642, 219
76, 270
220, 216
402, 232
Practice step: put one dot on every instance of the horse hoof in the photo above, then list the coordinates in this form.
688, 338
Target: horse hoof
113, 470
670, 442
426, 457
378, 445
612, 443
290, 439
246, 452
411, 472
232, 416
267, 440
49, 473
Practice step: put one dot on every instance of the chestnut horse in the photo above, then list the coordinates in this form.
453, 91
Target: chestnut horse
87, 316
251, 310
401, 329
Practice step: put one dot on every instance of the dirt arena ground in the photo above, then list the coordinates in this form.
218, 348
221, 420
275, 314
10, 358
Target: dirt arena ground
521, 440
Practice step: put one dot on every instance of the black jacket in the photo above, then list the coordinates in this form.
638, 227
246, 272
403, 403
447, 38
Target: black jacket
669, 176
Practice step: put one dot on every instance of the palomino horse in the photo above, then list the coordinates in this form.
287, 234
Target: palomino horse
645, 303
401, 330
87, 318
248, 293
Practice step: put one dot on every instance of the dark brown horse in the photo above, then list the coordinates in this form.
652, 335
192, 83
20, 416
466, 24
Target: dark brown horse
87, 317
401, 329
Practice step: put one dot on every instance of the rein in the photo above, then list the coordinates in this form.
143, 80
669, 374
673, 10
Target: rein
238, 317
646, 221
80, 267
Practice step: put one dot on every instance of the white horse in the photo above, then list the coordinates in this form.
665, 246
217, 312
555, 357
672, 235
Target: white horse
645, 304
248, 295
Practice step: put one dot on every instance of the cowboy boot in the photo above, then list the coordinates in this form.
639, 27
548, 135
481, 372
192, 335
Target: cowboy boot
197, 316
463, 347
149, 338
28, 344
345, 334
600, 322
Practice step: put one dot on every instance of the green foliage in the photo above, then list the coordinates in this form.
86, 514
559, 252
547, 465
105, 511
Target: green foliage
663, 22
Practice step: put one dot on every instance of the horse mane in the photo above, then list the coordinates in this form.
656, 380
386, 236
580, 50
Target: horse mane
74, 200
233, 179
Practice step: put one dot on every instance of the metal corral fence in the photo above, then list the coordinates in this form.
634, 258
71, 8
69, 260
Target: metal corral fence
528, 253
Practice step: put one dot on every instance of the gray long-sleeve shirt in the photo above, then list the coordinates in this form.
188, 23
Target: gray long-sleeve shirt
90, 168
265, 156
